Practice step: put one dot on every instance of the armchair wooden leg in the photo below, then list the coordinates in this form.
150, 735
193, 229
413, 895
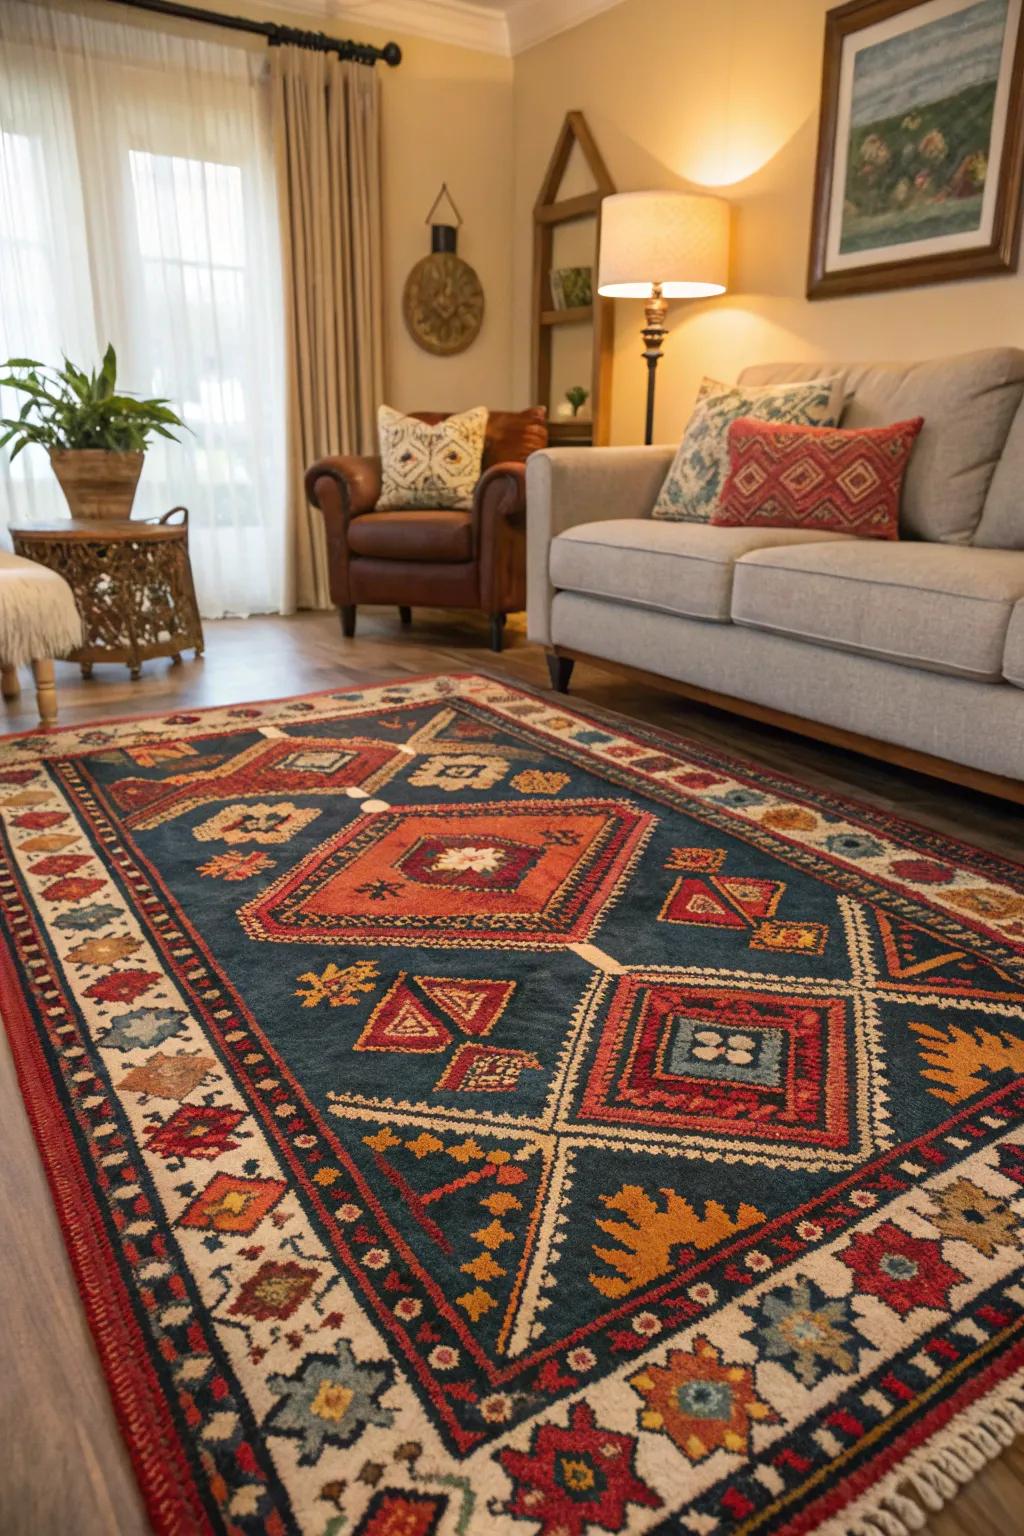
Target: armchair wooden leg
497, 627
46, 690
348, 619
11, 686
559, 671
405, 617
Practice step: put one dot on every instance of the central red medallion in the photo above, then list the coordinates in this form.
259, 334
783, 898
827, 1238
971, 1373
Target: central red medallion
516, 873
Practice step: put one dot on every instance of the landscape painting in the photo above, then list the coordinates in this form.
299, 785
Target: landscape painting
919, 163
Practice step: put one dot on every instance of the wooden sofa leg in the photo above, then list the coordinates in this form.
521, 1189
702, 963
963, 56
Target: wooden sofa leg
497, 629
560, 671
11, 687
46, 690
348, 619
405, 617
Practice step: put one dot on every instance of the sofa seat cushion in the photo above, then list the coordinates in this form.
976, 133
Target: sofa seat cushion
1013, 655
936, 606
682, 568
440, 537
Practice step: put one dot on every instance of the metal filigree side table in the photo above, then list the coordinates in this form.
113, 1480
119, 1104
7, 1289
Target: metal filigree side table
132, 582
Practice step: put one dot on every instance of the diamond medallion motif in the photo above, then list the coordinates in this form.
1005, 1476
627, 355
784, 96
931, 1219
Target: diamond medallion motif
521, 873
744, 1068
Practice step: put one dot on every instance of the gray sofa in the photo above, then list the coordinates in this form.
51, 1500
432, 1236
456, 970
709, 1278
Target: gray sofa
912, 650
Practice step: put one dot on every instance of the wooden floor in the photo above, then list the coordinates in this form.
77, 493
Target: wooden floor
63, 1468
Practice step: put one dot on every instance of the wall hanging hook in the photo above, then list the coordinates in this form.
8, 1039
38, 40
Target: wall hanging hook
444, 236
444, 193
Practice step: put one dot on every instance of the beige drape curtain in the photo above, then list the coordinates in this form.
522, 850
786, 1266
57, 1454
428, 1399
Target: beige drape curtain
327, 134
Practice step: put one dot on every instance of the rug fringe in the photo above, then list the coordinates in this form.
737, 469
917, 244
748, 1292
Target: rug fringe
935, 1473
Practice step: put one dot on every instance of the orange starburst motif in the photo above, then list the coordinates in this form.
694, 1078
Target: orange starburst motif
702, 1402
338, 986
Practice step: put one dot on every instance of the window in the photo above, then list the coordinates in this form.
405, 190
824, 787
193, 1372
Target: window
149, 220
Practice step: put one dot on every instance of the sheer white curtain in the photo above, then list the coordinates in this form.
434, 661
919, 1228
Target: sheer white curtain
137, 205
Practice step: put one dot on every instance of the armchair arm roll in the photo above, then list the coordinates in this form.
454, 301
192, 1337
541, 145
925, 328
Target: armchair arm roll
568, 486
499, 537
350, 481
342, 486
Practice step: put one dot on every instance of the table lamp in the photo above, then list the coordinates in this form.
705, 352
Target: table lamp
658, 246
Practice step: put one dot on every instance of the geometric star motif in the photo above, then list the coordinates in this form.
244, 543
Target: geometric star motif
903, 1271
329, 1400
810, 1332
965, 1211
234, 865
701, 1402
103, 951
143, 1027
571, 1480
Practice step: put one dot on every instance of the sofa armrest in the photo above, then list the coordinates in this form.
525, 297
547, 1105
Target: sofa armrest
568, 486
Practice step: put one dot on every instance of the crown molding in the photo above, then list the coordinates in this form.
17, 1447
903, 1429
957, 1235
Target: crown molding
507, 31
533, 21
458, 22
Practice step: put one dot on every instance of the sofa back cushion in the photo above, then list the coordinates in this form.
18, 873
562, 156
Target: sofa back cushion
511, 436
968, 404
1002, 522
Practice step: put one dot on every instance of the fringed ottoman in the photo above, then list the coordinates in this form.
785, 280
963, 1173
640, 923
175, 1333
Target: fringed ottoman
38, 621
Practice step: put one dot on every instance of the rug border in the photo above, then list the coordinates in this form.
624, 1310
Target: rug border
729, 760
944, 1431
148, 1432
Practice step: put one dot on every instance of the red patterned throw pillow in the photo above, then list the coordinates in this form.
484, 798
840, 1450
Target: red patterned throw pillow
823, 478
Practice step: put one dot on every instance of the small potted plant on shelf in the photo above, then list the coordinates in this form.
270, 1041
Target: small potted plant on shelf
96, 436
577, 397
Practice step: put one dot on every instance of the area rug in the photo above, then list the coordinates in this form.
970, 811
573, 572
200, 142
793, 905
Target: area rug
468, 1116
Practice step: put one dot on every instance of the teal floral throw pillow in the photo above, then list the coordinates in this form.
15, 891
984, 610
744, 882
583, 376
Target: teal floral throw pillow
694, 483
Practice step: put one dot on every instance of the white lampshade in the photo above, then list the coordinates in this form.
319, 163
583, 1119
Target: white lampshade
677, 239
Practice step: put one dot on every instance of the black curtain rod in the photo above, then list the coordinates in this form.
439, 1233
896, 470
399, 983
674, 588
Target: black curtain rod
274, 32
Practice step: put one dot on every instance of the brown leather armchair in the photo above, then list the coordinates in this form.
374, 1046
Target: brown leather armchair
434, 559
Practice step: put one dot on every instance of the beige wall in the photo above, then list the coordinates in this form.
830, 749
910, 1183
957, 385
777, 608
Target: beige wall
724, 94
448, 117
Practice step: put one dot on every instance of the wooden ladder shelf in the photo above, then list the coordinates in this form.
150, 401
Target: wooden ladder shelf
549, 212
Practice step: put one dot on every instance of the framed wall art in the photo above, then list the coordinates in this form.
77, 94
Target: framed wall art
920, 146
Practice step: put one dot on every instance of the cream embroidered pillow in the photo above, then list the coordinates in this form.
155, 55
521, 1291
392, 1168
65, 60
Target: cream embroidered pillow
424, 466
694, 483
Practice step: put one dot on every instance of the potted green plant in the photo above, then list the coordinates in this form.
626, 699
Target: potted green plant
96, 437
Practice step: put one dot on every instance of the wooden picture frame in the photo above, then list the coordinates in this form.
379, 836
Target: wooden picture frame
896, 173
